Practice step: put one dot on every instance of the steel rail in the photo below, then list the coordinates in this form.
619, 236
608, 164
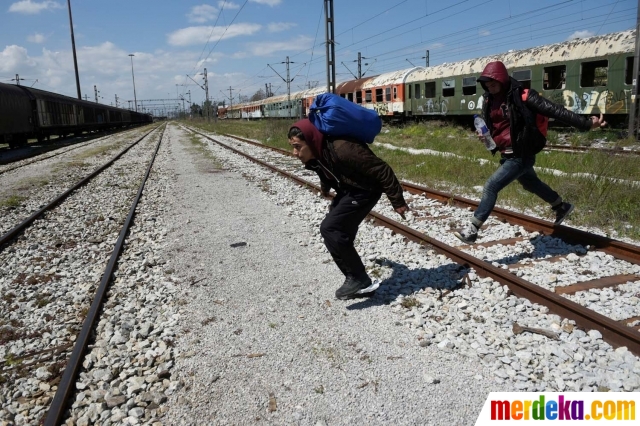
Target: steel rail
613, 332
28, 221
67, 383
71, 146
616, 248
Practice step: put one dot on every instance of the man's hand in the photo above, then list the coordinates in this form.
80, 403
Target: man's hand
402, 210
597, 122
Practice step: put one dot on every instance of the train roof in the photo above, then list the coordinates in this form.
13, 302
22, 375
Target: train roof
585, 48
51, 96
388, 78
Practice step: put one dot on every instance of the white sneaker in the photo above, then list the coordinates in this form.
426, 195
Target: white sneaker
373, 287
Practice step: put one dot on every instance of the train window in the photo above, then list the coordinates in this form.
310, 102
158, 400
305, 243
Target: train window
342, 95
387, 94
379, 95
554, 77
594, 73
430, 89
524, 77
418, 93
350, 96
469, 86
359, 97
410, 91
628, 71
367, 95
448, 87
395, 93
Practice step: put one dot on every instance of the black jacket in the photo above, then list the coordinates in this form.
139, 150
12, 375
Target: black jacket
521, 113
351, 164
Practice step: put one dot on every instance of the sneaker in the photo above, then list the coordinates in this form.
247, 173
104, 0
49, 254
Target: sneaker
468, 235
351, 287
562, 212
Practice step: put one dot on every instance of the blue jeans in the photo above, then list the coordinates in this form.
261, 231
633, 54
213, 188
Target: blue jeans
511, 169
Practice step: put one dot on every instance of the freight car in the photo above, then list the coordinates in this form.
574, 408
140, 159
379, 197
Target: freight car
27, 113
589, 76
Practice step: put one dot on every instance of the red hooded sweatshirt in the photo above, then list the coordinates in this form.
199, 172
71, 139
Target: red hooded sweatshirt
498, 104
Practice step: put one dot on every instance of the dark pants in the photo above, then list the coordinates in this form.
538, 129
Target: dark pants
339, 228
511, 169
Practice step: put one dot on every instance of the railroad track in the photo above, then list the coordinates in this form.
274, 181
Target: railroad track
574, 284
55, 282
34, 155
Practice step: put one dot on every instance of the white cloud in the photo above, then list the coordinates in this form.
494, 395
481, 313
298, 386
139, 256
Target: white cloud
268, 47
228, 5
484, 33
202, 13
29, 7
275, 27
13, 58
36, 38
198, 35
581, 34
267, 2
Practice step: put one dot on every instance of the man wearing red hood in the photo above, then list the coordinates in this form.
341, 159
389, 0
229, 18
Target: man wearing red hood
506, 115
359, 178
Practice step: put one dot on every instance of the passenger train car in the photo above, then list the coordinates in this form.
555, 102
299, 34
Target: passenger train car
27, 113
589, 76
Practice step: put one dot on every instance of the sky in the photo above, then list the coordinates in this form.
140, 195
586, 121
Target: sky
244, 44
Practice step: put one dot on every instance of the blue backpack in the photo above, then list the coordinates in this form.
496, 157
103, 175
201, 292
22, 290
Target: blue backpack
338, 117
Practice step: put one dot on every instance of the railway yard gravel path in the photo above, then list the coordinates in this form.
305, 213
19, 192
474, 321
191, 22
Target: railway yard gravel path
223, 312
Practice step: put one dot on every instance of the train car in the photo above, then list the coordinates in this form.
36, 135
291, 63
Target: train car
385, 93
16, 116
588, 76
32, 113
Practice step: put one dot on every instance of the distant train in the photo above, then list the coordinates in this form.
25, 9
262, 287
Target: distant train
27, 113
589, 76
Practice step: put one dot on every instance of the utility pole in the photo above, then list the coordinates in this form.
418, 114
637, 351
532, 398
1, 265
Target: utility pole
288, 80
116, 100
427, 56
87, 98
633, 106
95, 90
73, 46
359, 65
331, 48
231, 98
206, 92
17, 79
135, 99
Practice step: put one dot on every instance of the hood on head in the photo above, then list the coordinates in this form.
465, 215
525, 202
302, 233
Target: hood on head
495, 71
312, 136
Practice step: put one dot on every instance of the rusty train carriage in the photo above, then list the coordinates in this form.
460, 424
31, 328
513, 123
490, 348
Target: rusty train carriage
385, 93
33, 113
588, 76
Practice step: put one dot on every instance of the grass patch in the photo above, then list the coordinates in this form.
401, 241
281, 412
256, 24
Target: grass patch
12, 201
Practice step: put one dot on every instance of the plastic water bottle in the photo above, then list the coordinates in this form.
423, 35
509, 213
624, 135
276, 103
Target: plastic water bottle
482, 130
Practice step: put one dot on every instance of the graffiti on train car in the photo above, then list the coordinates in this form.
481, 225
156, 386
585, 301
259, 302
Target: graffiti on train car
607, 102
381, 108
434, 106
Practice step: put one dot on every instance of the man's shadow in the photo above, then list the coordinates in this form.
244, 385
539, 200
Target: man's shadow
543, 247
405, 281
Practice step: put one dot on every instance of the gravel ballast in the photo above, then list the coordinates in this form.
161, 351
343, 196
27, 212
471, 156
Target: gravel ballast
261, 325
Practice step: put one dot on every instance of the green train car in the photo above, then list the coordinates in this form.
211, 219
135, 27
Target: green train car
588, 76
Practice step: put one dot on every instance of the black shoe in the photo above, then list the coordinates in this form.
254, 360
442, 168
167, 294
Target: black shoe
562, 211
351, 287
468, 235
